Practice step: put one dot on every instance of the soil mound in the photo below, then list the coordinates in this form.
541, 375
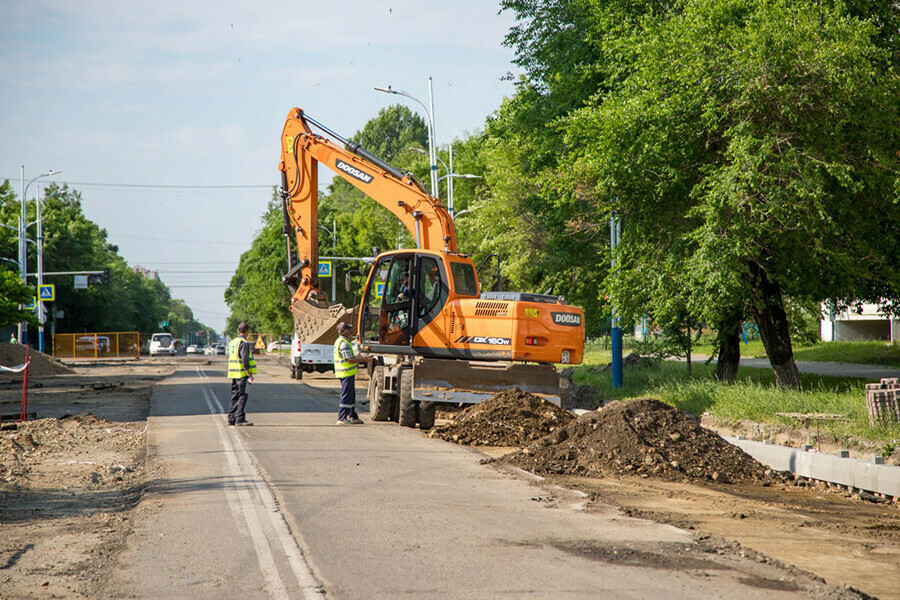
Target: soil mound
510, 418
59, 448
41, 365
639, 437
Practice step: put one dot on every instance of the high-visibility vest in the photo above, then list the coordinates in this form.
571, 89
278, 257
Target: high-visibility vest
343, 368
235, 366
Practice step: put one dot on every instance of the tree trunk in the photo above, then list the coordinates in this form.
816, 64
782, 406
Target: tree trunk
728, 340
768, 310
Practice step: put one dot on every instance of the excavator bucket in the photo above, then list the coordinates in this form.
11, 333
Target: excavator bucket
316, 322
460, 381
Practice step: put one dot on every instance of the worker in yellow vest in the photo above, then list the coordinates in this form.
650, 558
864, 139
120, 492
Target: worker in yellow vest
241, 369
346, 363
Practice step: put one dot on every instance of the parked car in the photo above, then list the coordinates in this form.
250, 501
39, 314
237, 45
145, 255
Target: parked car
193, 349
98, 344
219, 349
162, 344
278, 347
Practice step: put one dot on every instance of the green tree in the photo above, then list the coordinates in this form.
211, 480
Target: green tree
129, 302
13, 293
256, 293
751, 153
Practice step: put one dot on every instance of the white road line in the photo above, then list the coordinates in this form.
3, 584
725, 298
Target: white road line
274, 585
241, 461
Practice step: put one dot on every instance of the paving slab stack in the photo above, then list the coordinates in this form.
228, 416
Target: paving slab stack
883, 401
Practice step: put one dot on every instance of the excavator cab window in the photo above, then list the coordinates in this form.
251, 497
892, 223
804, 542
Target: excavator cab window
431, 289
373, 302
465, 282
388, 302
395, 309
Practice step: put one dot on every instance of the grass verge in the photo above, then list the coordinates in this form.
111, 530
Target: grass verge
754, 396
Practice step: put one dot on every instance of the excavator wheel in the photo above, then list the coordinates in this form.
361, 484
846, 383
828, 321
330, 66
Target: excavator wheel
408, 408
379, 404
426, 415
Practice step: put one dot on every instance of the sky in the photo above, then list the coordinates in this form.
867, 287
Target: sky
167, 116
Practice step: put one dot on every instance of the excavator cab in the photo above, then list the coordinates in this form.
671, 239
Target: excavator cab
405, 292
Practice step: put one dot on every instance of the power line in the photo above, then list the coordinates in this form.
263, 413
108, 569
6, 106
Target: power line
134, 237
213, 262
155, 186
197, 272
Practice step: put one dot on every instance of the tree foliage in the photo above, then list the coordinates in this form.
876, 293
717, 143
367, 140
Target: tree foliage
748, 144
256, 293
72, 242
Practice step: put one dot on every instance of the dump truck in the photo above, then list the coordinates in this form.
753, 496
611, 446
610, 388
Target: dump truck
436, 336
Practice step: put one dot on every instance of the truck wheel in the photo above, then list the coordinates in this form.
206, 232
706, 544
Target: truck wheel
293, 372
379, 403
408, 408
426, 414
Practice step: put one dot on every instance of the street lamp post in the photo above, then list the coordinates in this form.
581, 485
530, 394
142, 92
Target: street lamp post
438, 156
432, 148
451, 176
333, 232
23, 251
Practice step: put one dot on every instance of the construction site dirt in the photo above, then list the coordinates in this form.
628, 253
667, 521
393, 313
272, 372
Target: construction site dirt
71, 479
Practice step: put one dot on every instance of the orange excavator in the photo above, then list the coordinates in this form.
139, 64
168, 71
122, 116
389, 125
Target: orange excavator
436, 335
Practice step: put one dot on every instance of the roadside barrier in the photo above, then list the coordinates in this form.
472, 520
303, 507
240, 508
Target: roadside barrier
114, 344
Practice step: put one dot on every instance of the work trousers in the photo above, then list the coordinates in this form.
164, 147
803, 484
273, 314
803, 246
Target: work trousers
347, 405
238, 401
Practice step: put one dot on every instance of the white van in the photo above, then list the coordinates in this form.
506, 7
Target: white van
310, 357
162, 344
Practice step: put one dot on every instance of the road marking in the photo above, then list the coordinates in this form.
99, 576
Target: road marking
241, 465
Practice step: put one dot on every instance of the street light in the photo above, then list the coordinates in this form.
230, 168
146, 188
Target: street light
450, 174
446, 168
451, 177
333, 232
23, 250
432, 148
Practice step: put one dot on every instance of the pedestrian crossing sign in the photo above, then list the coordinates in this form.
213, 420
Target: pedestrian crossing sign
47, 292
32, 304
379, 289
325, 268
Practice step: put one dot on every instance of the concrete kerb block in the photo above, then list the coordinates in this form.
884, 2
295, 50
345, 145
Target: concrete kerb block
871, 476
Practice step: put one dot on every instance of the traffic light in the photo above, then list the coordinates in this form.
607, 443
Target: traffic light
99, 278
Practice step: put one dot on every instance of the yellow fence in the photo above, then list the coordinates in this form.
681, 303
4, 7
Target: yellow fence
115, 344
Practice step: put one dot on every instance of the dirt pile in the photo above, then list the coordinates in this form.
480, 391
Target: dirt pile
510, 418
41, 365
640, 437
71, 452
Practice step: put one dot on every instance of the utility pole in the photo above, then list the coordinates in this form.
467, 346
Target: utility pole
615, 232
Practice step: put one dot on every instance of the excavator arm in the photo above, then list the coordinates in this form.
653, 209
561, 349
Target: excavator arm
423, 215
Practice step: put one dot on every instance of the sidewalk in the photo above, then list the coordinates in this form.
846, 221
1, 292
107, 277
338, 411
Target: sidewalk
831, 369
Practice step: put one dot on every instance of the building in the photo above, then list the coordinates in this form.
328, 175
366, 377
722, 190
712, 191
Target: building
147, 273
858, 324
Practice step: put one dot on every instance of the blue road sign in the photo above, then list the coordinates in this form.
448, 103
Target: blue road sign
47, 292
379, 290
325, 268
32, 304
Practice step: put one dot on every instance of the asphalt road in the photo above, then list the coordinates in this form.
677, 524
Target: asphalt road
297, 507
